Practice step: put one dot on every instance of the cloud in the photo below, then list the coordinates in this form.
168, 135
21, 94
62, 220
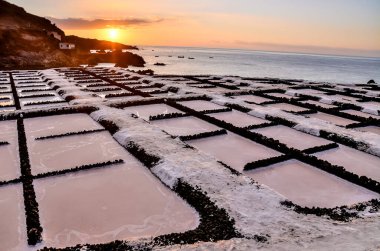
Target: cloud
85, 24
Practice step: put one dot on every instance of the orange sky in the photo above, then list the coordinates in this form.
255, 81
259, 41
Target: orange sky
348, 27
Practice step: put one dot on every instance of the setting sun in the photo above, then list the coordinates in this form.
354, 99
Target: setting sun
113, 34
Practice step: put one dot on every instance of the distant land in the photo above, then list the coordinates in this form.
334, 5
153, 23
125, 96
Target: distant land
28, 41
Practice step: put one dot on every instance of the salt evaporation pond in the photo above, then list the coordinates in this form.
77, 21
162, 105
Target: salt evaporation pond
123, 99
6, 100
148, 90
308, 186
103, 93
343, 98
5, 88
53, 105
310, 92
217, 90
373, 129
184, 126
9, 158
117, 203
328, 106
28, 94
287, 107
238, 119
353, 161
291, 137
252, 98
68, 152
233, 149
339, 121
7, 109
373, 105
59, 124
12, 218
39, 99
145, 111
27, 103
201, 105
361, 114
21, 89
281, 95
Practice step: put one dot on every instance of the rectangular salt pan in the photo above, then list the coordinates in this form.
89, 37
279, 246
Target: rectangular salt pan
238, 119
59, 124
291, 137
184, 126
217, 90
361, 114
281, 95
318, 104
288, 107
308, 186
331, 118
201, 105
123, 202
233, 149
9, 157
12, 218
373, 129
344, 99
68, 152
252, 98
27, 94
353, 161
145, 111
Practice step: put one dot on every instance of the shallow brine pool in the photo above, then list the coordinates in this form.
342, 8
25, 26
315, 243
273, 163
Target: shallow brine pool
318, 104
308, 186
201, 105
9, 157
238, 119
184, 126
233, 149
72, 151
252, 98
145, 111
288, 107
353, 161
373, 129
339, 121
361, 114
12, 218
292, 138
59, 124
281, 95
120, 202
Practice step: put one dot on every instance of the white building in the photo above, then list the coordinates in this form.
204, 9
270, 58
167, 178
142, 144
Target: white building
66, 46
55, 35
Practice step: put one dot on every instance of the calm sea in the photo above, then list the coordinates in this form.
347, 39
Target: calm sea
338, 69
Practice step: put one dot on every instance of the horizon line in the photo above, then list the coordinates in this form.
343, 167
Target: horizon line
268, 51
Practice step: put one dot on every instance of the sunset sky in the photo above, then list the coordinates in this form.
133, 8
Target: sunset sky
347, 27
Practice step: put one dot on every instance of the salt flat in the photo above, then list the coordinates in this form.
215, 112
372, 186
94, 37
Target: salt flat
203, 161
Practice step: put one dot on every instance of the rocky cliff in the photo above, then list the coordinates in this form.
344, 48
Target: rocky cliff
25, 43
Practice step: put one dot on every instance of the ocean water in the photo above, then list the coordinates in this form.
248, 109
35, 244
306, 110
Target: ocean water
245, 63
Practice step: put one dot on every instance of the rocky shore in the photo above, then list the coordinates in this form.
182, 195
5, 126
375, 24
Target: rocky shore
37, 44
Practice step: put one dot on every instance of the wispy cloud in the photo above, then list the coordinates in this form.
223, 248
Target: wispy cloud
85, 24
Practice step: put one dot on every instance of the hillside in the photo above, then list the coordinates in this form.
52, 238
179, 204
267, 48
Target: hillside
25, 43
86, 44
